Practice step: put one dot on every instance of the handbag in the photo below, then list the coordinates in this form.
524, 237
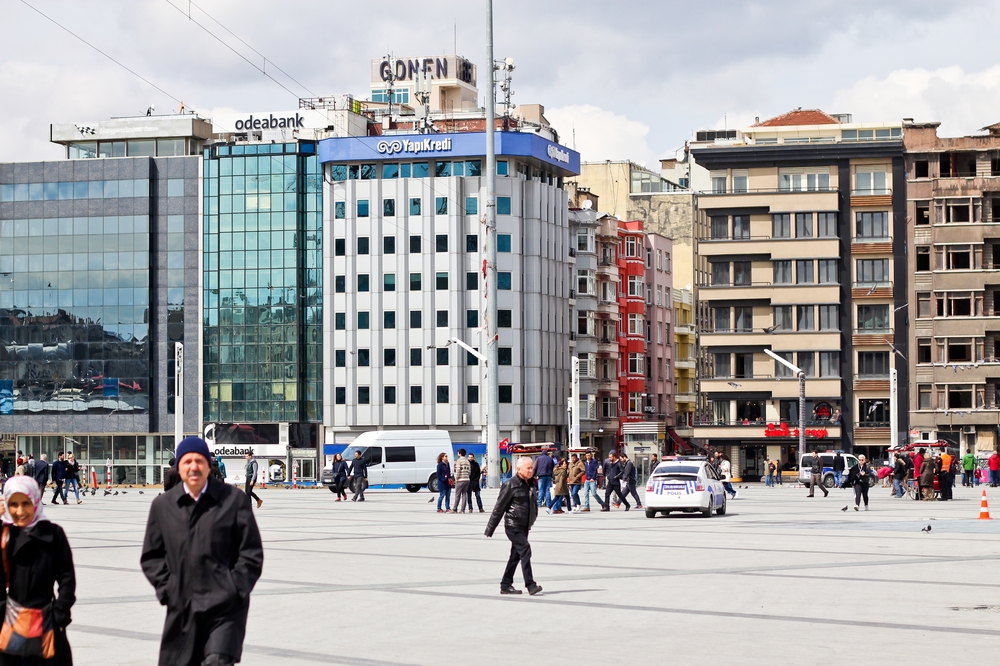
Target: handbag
26, 632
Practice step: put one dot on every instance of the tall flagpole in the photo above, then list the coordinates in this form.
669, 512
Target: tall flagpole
492, 379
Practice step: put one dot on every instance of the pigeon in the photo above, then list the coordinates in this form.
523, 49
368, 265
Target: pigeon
116, 493
125, 492
140, 492
926, 529
846, 507
107, 492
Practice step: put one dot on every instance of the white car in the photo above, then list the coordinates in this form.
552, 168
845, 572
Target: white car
685, 484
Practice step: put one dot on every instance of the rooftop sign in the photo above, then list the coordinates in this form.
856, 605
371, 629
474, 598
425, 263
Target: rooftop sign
453, 67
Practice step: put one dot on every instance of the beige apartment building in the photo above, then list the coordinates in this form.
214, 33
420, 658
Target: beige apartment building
953, 200
799, 241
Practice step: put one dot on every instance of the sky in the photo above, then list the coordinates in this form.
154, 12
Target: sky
631, 80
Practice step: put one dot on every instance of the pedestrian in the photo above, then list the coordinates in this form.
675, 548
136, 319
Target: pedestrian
204, 580
993, 463
815, 474
251, 470
543, 472
517, 505
171, 477
560, 487
612, 483
444, 483
899, 475
968, 468
41, 472
462, 470
71, 478
576, 472
946, 477
918, 463
36, 559
768, 472
911, 468
653, 462
339, 477
726, 470
777, 473
222, 469
590, 468
838, 470
216, 470
927, 471
630, 475
858, 477
359, 476
475, 479
58, 474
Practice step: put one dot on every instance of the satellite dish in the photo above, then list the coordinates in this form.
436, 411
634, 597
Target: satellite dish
588, 204
509, 62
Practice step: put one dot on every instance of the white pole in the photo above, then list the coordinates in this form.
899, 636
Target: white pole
178, 393
574, 424
893, 410
492, 378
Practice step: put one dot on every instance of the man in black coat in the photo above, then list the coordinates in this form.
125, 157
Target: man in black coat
41, 472
202, 552
359, 472
631, 475
613, 482
517, 504
475, 481
58, 474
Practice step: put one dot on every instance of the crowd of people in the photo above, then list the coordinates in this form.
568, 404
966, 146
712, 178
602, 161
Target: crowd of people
922, 468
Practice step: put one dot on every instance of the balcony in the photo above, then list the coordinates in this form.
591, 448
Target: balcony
572, 252
869, 430
816, 431
684, 364
607, 307
776, 387
871, 198
871, 383
778, 248
684, 329
685, 398
871, 245
777, 199
871, 290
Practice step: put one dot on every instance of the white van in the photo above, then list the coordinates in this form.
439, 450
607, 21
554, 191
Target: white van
398, 457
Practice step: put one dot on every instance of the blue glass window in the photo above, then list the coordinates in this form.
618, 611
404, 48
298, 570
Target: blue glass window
340, 210
471, 205
503, 281
414, 206
501, 168
363, 207
503, 242
503, 205
420, 170
441, 205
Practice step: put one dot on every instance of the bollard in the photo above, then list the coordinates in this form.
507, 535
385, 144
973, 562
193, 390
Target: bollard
295, 475
109, 477
93, 474
263, 479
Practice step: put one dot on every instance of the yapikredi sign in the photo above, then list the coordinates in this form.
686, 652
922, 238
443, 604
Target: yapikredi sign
441, 146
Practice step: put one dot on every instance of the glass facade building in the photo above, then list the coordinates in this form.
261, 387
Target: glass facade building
263, 299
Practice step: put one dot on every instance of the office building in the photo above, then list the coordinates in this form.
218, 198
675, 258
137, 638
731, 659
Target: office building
685, 366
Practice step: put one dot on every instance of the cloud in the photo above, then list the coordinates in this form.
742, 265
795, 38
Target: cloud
962, 101
601, 135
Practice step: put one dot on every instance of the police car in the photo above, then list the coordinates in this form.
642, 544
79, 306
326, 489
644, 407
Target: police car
685, 483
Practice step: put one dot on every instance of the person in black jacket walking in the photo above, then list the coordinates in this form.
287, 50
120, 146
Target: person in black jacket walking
359, 472
475, 480
630, 475
41, 472
58, 474
339, 476
612, 483
517, 504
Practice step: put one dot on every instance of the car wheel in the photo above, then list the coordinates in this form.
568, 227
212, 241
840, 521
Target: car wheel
651, 513
332, 489
412, 487
721, 511
432, 484
828, 481
707, 513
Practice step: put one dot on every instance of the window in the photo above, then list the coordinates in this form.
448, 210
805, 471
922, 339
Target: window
720, 273
470, 358
389, 282
415, 319
415, 207
339, 284
740, 177
364, 358
720, 411
959, 350
503, 242
923, 213
340, 395
807, 363
783, 317
632, 247
780, 369
873, 412
923, 258
783, 272
826, 226
414, 244
414, 281
873, 317
744, 366
472, 243
441, 280
416, 356
804, 271
339, 247
923, 304
720, 227
389, 245
442, 169
390, 170
871, 226
924, 396
472, 395
340, 210
340, 321
441, 243
873, 364
960, 257
506, 393
634, 402
472, 280
389, 395
504, 356
829, 271
504, 318
389, 319
807, 321
741, 227
416, 395
339, 358
421, 170
389, 207
584, 240
803, 225
442, 395
829, 364
363, 320
362, 282
742, 274
636, 364
442, 356
389, 357
472, 318
719, 179
442, 318
471, 205
636, 325
635, 285
828, 317
870, 182
781, 225
873, 271
960, 396
924, 350
503, 205
744, 319
586, 283
503, 281
721, 320
362, 207
723, 367
803, 180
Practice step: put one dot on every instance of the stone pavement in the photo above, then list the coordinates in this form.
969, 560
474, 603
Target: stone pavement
781, 579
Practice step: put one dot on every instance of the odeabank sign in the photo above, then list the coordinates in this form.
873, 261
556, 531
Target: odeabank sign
251, 123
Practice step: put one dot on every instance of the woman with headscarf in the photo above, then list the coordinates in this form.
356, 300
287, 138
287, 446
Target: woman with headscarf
36, 558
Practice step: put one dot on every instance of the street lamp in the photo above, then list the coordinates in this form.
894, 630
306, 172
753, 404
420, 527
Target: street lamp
802, 397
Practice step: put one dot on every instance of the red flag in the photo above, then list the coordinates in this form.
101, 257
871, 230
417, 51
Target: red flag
504, 443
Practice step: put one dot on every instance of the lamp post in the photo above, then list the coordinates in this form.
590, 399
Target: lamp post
492, 379
802, 397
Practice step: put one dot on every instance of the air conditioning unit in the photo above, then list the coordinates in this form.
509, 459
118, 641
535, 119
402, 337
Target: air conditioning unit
649, 410
968, 430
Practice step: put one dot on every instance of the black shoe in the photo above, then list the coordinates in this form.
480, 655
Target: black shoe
534, 589
509, 589
627, 507
354, 499
605, 509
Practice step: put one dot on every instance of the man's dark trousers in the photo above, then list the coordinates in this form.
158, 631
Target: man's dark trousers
249, 490
520, 551
614, 486
57, 492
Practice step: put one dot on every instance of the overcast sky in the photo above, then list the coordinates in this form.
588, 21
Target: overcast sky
628, 79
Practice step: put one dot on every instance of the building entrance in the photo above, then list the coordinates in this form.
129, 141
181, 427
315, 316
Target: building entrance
753, 466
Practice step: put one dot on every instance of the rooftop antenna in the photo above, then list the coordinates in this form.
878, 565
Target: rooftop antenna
507, 66
390, 81
422, 92
456, 38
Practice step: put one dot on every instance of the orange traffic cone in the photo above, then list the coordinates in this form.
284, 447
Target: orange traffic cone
984, 508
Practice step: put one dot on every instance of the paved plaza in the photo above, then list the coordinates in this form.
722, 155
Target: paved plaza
780, 579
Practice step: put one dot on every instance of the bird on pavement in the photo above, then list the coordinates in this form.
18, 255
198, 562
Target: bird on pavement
140, 492
846, 507
926, 529
116, 493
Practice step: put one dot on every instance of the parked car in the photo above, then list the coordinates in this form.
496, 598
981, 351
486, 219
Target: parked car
685, 483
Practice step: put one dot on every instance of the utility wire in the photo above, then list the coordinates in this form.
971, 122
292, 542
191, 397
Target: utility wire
218, 39
265, 58
130, 71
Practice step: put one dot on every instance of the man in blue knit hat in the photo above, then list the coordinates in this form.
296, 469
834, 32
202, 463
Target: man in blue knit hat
205, 582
